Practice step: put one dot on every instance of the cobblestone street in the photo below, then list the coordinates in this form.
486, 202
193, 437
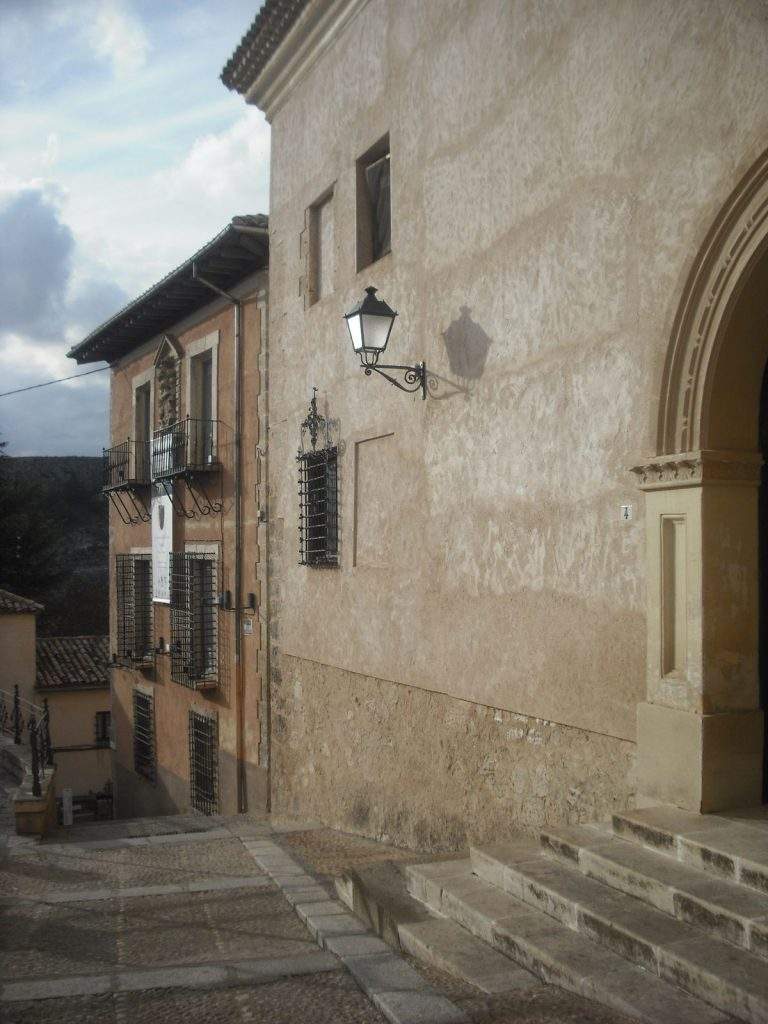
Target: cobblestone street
209, 919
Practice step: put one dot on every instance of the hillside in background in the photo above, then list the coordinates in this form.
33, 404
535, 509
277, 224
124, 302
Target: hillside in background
54, 540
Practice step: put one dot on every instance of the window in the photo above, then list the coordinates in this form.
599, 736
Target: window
103, 728
142, 431
133, 583
202, 436
203, 762
373, 204
194, 618
143, 735
318, 512
321, 257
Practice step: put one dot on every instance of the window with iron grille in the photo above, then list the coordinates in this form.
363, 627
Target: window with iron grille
194, 618
318, 512
133, 580
143, 735
203, 762
103, 728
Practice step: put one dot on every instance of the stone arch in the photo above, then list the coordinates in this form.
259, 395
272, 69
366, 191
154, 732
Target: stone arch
700, 735
725, 266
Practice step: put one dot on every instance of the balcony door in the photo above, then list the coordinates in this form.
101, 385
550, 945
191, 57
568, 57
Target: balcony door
202, 433
142, 431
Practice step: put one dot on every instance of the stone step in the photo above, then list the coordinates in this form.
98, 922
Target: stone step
550, 950
733, 846
733, 980
728, 910
378, 895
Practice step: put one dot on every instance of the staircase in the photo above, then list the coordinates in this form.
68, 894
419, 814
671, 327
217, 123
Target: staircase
662, 916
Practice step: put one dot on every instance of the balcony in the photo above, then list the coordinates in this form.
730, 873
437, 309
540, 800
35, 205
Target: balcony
188, 451
126, 477
184, 448
126, 465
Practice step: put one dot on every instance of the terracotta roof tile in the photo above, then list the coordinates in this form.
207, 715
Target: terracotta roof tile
268, 29
13, 603
72, 662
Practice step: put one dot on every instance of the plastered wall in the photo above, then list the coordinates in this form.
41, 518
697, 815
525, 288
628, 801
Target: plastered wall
17, 654
555, 169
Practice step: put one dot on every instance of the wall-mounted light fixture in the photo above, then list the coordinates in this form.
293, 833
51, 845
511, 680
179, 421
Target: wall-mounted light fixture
370, 324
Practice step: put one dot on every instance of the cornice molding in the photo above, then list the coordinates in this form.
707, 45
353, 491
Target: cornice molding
315, 31
696, 469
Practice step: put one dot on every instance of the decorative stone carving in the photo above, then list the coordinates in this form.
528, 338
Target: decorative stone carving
731, 244
693, 469
168, 382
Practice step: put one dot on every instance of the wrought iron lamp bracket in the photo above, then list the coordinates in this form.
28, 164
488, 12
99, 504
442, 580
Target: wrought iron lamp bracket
414, 377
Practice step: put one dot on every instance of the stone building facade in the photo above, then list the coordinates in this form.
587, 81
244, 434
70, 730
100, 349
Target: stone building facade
545, 602
183, 476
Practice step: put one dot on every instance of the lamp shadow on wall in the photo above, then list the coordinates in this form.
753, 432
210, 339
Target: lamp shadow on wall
467, 346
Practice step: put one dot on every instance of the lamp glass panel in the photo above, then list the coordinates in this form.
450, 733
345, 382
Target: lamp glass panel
376, 331
355, 332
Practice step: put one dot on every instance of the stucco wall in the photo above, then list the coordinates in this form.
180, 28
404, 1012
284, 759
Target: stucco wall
17, 654
555, 169
171, 791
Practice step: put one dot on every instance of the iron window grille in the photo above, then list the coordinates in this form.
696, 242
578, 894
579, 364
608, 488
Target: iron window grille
203, 762
133, 580
318, 491
143, 735
194, 619
102, 728
318, 513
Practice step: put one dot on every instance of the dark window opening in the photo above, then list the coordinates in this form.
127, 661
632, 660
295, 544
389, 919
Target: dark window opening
143, 735
194, 618
203, 762
374, 208
133, 582
103, 728
318, 512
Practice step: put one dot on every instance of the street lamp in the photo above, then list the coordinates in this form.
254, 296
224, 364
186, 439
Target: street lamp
369, 324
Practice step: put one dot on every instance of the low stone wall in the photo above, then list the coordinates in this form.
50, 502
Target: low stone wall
427, 771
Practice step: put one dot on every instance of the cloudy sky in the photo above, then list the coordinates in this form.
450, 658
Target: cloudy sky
121, 153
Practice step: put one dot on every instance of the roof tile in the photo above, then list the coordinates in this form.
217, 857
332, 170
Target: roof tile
12, 603
72, 662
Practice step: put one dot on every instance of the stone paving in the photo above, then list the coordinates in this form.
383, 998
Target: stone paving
183, 919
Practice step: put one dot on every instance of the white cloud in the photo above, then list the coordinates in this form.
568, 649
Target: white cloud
225, 165
110, 29
50, 154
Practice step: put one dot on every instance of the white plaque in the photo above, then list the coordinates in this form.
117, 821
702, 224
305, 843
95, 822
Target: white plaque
626, 513
162, 545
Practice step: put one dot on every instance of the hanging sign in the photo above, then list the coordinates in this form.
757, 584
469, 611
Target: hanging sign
162, 545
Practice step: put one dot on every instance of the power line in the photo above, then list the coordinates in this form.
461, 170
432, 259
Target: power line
45, 384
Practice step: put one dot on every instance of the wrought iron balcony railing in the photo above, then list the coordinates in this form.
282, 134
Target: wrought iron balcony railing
185, 448
126, 480
126, 466
29, 724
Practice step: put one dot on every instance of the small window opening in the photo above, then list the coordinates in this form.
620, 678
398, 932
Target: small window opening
374, 216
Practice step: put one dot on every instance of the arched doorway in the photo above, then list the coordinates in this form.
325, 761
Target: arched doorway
701, 728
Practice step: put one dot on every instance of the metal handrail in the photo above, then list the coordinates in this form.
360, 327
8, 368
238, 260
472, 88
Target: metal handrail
187, 446
126, 465
18, 717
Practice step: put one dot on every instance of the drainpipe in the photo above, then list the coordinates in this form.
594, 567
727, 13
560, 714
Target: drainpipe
242, 796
